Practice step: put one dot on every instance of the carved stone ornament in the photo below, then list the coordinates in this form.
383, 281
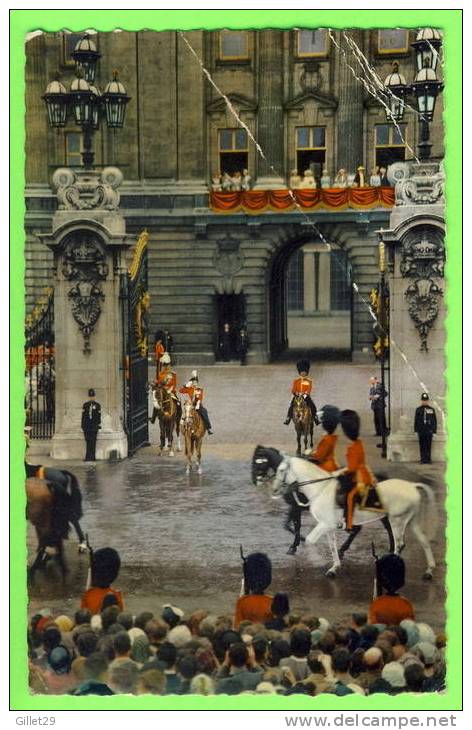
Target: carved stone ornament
84, 263
421, 184
310, 78
423, 253
87, 189
141, 323
228, 260
424, 298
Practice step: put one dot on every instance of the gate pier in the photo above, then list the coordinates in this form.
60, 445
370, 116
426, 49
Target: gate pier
89, 242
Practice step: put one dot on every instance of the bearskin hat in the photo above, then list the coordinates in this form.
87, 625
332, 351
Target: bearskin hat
257, 569
350, 424
105, 567
390, 573
329, 417
303, 366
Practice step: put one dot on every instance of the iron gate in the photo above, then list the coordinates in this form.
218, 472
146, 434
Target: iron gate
135, 321
40, 376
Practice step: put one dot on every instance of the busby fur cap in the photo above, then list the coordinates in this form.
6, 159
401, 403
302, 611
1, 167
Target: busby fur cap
105, 567
391, 573
329, 417
303, 366
351, 424
257, 572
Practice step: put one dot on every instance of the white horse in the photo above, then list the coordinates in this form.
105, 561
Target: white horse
401, 500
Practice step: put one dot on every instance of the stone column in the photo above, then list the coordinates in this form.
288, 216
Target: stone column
324, 282
417, 312
350, 111
270, 117
88, 241
309, 280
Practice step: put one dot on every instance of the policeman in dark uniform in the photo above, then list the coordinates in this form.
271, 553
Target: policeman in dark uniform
91, 423
425, 427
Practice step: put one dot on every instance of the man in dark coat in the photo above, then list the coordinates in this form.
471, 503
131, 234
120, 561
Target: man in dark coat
425, 427
377, 395
91, 423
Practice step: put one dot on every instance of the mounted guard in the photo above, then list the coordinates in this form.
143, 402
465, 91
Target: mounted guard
167, 406
324, 453
195, 394
302, 386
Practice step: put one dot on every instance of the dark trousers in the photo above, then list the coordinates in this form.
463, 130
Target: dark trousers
310, 404
91, 442
205, 417
426, 439
380, 424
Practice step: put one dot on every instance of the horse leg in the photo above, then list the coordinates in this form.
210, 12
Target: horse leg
198, 450
37, 563
391, 541
348, 542
61, 561
423, 540
170, 436
311, 433
177, 433
299, 445
296, 515
162, 436
331, 572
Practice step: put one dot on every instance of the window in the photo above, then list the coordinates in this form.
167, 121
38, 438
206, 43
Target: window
394, 40
73, 149
389, 143
340, 286
69, 42
233, 150
233, 45
311, 149
312, 42
295, 288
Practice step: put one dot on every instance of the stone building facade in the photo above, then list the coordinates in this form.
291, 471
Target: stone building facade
297, 96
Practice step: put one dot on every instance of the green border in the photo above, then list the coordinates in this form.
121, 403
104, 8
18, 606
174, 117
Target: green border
22, 21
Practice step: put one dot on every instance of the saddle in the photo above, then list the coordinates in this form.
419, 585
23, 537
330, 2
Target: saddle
367, 498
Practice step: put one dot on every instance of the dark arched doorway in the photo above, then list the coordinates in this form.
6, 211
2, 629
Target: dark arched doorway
310, 302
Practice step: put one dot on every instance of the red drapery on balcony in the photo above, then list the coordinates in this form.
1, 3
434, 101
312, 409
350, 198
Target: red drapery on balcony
257, 201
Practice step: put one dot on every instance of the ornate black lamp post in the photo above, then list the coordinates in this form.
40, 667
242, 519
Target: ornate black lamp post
382, 333
425, 87
84, 100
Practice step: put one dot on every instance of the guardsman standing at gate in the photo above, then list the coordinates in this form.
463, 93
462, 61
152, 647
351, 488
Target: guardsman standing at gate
91, 423
425, 427
302, 386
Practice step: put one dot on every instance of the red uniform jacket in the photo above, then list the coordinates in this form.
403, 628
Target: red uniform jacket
159, 350
194, 392
324, 453
355, 457
302, 386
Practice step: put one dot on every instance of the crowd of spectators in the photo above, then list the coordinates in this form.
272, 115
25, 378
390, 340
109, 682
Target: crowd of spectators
114, 652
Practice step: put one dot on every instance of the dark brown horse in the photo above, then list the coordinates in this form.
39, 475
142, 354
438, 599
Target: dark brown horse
53, 502
169, 416
303, 422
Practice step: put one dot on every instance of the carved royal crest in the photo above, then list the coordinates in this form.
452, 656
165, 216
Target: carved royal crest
424, 298
423, 253
228, 260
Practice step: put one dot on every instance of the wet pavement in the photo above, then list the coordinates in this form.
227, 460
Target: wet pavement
179, 537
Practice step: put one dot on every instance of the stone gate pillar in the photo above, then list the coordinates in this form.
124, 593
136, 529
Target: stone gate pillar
417, 310
88, 240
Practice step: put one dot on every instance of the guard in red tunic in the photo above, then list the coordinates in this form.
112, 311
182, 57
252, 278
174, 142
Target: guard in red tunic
302, 386
324, 454
195, 394
356, 467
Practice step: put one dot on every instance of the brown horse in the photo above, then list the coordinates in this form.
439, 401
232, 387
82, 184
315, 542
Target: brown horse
303, 422
193, 429
169, 419
52, 503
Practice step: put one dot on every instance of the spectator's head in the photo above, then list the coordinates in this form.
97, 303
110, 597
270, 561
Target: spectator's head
142, 619
300, 643
310, 621
105, 567
278, 649
208, 626
222, 640
121, 643
342, 637
187, 667
151, 682
373, 659
167, 654
206, 661
369, 634
202, 684
179, 636
105, 646
96, 667
140, 649
238, 655
126, 620
426, 653
327, 643
115, 628
400, 645
87, 643
357, 662
394, 674
64, 624
60, 660
386, 649
414, 677
426, 633
171, 615
340, 661
51, 638
314, 664
413, 635
261, 649
358, 620
156, 631
123, 676
257, 569
108, 617
195, 620
280, 606
109, 600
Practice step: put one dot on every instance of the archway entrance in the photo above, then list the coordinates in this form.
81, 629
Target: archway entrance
311, 302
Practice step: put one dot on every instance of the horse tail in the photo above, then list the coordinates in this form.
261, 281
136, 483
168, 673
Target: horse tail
75, 494
428, 514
